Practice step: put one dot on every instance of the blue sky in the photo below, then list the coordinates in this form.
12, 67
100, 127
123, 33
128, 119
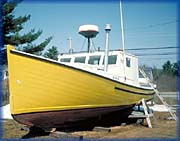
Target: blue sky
146, 24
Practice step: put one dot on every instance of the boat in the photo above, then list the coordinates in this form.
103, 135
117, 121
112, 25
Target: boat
75, 89
81, 88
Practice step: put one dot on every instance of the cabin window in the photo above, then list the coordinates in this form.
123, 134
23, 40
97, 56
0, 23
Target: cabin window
65, 59
111, 59
94, 60
128, 62
80, 59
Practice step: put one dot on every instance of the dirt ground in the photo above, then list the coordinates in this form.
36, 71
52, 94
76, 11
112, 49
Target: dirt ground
162, 128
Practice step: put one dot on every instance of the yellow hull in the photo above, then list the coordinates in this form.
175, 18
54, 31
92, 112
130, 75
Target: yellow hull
39, 85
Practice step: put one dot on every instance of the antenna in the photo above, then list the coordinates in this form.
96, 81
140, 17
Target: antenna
70, 45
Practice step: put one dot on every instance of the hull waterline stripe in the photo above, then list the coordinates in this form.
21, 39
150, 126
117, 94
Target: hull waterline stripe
57, 63
132, 92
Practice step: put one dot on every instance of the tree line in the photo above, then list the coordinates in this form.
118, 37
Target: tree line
166, 78
24, 42
168, 68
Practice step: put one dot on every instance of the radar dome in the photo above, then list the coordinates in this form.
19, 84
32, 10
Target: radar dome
88, 31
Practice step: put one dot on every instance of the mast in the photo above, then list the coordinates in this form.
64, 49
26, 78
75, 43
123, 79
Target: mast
122, 33
122, 26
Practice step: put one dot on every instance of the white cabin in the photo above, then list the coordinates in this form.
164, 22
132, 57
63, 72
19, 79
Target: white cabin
116, 65
119, 70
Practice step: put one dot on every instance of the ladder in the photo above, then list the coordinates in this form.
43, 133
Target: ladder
159, 96
167, 105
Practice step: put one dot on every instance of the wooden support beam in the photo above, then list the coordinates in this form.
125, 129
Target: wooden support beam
102, 129
63, 135
139, 115
146, 113
25, 128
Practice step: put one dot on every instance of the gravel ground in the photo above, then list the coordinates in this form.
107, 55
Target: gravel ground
162, 128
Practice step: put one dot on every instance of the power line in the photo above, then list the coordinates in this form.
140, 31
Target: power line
158, 58
162, 24
170, 47
155, 25
151, 25
150, 54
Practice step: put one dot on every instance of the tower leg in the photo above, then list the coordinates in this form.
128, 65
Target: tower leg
89, 44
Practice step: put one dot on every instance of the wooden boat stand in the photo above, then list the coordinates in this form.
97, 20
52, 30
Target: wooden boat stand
145, 114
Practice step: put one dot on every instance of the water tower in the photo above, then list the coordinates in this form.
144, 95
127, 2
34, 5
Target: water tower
88, 31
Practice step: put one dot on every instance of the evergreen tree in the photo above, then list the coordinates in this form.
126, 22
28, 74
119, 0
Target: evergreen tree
167, 67
52, 53
175, 68
13, 25
171, 68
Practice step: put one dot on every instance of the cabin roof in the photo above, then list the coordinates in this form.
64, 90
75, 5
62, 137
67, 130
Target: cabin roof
85, 53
